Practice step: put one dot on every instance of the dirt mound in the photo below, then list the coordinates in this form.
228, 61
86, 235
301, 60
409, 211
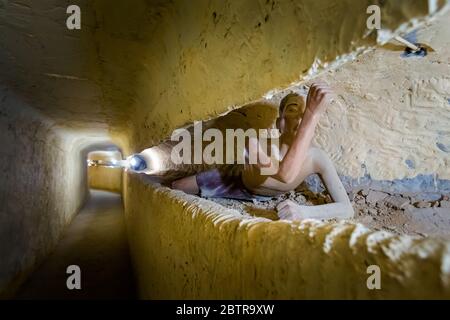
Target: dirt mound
400, 214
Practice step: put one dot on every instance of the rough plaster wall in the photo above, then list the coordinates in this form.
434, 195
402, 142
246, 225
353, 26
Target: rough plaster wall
55, 67
103, 178
181, 61
389, 128
185, 247
143, 68
392, 119
43, 184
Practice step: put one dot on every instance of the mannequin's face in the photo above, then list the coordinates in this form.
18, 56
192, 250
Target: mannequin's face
291, 114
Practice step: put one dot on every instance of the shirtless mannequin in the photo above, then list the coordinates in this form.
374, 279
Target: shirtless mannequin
298, 159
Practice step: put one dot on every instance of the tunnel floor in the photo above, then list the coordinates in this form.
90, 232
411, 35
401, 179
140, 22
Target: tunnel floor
96, 241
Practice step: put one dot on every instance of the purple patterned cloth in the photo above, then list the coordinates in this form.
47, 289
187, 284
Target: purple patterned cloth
214, 184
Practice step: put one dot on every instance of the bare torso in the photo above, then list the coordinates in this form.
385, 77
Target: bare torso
266, 185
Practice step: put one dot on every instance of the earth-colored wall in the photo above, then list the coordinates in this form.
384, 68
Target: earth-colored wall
391, 120
389, 127
173, 62
195, 61
154, 66
103, 177
185, 247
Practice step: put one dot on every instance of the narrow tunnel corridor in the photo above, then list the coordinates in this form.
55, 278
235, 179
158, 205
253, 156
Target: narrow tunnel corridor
90, 117
95, 241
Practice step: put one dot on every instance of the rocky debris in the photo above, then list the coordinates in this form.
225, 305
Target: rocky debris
267, 209
432, 221
445, 204
424, 235
367, 220
427, 197
396, 202
360, 199
374, 197
396, 213
351, 195
422, 204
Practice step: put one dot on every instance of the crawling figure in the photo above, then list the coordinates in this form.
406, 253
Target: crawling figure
297, 160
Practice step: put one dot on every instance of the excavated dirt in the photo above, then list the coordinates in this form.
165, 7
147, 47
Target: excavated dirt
399, 214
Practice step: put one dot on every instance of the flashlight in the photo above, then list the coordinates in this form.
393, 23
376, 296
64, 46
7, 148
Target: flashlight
137, 162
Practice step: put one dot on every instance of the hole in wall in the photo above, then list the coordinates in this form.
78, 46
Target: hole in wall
412, 213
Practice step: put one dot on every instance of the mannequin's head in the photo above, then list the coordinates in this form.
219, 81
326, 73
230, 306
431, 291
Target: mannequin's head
291, 110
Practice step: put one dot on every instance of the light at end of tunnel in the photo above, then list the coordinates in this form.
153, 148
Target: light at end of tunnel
104, 163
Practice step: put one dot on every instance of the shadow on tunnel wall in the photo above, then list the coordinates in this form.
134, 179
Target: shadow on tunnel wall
44, 184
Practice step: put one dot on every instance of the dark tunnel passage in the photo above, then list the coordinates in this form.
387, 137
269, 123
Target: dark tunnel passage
96, 242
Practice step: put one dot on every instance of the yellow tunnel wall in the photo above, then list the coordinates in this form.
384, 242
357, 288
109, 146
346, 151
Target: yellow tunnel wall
175, 62
185, 247
105, 177
109, 179
198, 61
168, 64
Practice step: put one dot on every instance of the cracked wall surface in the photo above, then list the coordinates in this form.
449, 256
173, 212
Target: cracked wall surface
392, 118
170, 63
389, 127
181, 61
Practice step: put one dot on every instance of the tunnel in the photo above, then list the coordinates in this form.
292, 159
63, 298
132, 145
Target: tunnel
96, 96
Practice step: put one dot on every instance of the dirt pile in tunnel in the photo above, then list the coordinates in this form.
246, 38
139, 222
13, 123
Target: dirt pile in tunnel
409, 214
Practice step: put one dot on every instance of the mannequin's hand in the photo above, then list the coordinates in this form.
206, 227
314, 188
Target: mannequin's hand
289, 210
319, 96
